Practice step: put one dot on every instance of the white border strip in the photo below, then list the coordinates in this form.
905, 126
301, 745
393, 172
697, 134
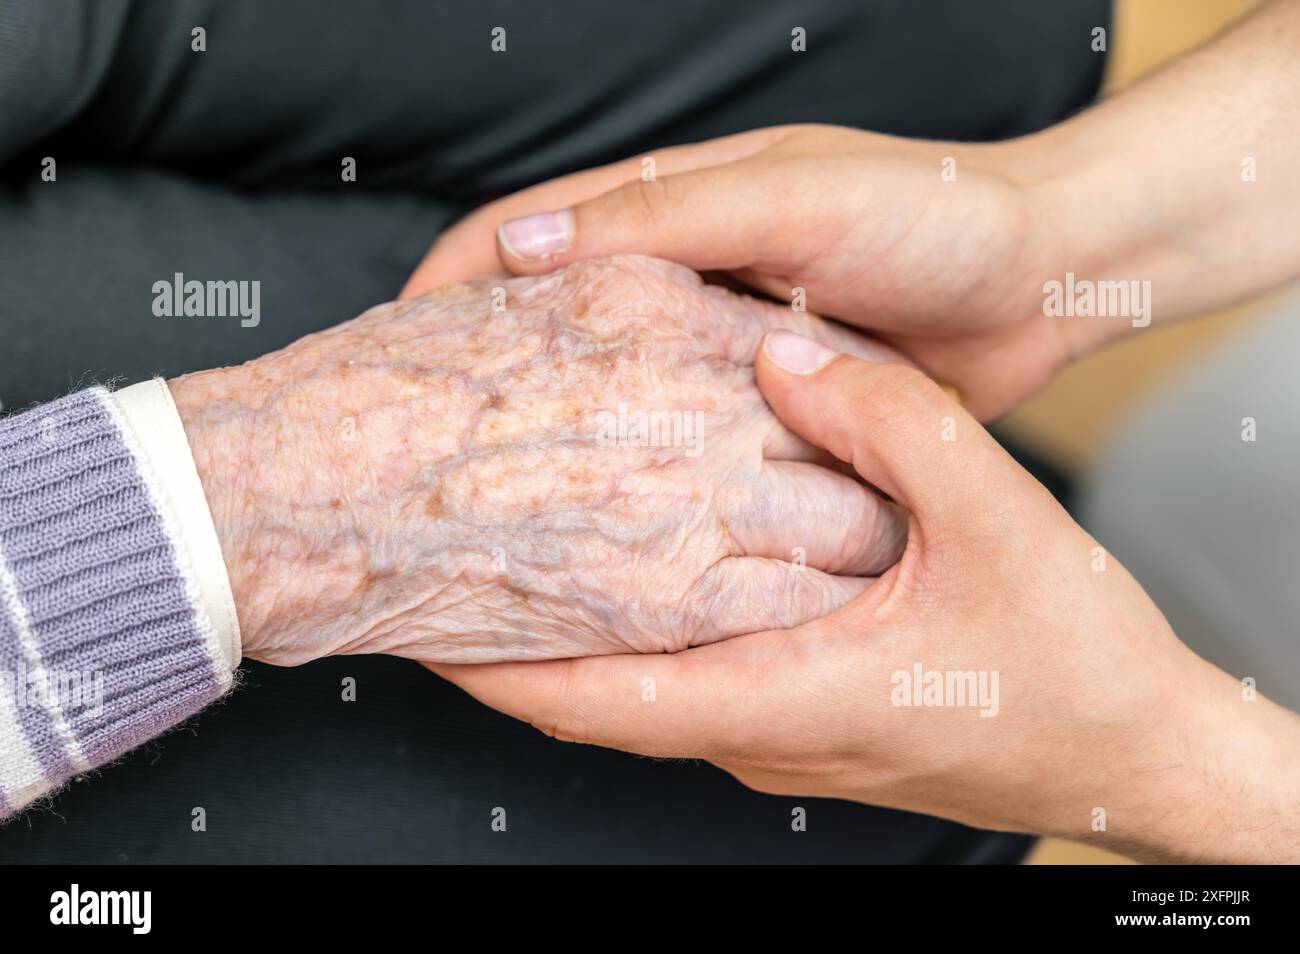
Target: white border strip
32, 653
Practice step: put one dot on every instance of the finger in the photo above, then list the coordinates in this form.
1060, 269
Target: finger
742, 595
468, 249
800, 512
781, 443
712, 702
898, 428
668, 706
718, 217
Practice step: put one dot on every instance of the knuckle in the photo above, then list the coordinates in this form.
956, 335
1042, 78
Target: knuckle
548, 727
803, 596
551, 719
558, 729
710, 599
645, 202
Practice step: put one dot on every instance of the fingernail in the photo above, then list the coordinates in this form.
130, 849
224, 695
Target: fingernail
537, 236
797, 354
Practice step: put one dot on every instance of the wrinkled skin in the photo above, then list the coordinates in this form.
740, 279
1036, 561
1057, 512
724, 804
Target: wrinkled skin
444, 480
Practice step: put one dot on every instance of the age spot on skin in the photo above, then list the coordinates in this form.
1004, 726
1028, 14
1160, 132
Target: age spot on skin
373, 578
434, 507
518, 595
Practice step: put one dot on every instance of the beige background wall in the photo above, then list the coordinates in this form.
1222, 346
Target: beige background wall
1070, 421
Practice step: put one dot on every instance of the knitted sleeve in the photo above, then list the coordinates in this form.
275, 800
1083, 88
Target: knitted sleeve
104, 638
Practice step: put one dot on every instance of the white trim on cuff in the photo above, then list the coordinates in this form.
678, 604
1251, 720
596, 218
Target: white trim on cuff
156, 425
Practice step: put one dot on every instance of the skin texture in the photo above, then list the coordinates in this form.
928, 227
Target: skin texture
445, 479
1100, 706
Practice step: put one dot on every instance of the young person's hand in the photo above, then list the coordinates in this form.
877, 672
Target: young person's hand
528, 468
944, 249
950, 272
1006, 673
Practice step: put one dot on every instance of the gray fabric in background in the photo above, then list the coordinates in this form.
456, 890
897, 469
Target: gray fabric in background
1208, 522
225, 165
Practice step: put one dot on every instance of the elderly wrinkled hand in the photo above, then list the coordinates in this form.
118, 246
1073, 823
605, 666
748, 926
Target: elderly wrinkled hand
1005, 673
543, 467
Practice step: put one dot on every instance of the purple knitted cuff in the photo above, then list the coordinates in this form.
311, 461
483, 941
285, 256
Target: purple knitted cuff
103, 640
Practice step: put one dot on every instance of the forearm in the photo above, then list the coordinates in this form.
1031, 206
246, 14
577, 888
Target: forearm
1185, 179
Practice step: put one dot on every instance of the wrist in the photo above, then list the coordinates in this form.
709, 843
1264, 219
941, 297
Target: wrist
1061, 240
1217, 782
1177, 198
1088, 227
1242, 776
217, 428
311, 525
